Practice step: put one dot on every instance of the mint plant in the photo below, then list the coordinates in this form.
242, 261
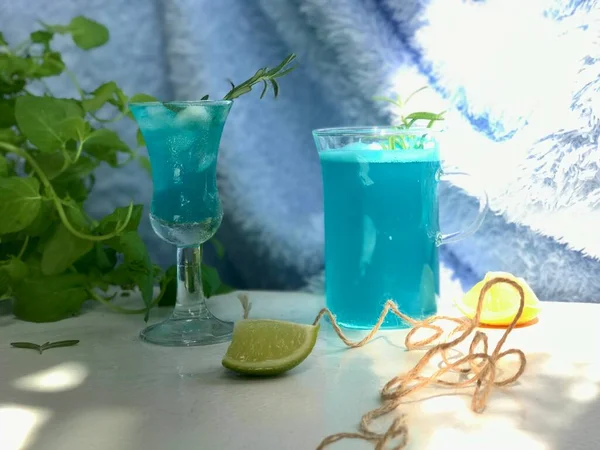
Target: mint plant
53, 255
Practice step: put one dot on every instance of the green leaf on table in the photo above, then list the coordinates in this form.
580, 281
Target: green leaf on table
49, 298
7, 113
27, 345
111, 222
46, 346
86, 33
20, 202
62, 250
47, 122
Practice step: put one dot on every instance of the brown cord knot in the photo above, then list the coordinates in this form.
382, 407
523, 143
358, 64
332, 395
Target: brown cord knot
478, 367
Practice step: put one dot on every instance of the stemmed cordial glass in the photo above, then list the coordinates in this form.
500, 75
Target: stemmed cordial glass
183, 142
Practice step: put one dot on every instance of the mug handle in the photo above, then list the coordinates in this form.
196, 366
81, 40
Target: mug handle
472, 228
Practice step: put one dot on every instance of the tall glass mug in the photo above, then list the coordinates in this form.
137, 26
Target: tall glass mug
382, 232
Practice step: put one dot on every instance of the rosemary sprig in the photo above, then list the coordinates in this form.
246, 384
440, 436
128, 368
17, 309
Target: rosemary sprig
46, 346
263, 75
408, 120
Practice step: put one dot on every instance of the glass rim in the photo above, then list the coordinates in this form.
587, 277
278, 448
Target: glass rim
185, 103
372, 131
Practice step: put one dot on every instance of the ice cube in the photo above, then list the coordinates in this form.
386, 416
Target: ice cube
191, 115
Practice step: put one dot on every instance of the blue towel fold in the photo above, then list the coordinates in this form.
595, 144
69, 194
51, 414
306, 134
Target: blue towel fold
524, 117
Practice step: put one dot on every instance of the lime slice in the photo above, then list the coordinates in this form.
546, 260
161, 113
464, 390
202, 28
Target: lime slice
269, 347
501, 302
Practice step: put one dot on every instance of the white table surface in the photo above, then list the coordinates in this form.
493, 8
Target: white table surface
114, 392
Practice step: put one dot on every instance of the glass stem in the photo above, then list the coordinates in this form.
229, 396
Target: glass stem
191, 302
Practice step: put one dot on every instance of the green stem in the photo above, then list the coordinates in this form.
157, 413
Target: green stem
23, 248
57, 201
73, 78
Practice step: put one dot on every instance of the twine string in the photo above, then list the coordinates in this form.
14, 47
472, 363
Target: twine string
477, 368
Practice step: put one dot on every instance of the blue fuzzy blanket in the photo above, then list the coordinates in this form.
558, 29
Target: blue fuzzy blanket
520, 78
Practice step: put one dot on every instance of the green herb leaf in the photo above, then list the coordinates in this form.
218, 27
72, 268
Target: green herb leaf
218, 246
47, 122
41, 37
51, 65
4, 167
104, 145
7, 113
87, 34
168, 283
28, 345
140, 138
62, 250
115, 219
100, 96
142, 98
9, 136
51, 163
264, 75
20, 202
46, 346
211, 281
144, 163
105, 138
4, 284
44, 219
58, 344
15, 269
424, 116
205, 97
49, 298
137, 261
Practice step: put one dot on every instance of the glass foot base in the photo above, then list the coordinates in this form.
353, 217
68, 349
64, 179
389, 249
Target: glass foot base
187, 332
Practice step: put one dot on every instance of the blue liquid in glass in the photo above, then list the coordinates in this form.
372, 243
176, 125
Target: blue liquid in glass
183, 144
381, 227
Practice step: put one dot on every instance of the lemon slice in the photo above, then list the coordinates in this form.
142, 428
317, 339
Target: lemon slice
269, 347
501, 302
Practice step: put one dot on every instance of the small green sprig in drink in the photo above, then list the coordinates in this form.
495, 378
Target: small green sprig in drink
408, 121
